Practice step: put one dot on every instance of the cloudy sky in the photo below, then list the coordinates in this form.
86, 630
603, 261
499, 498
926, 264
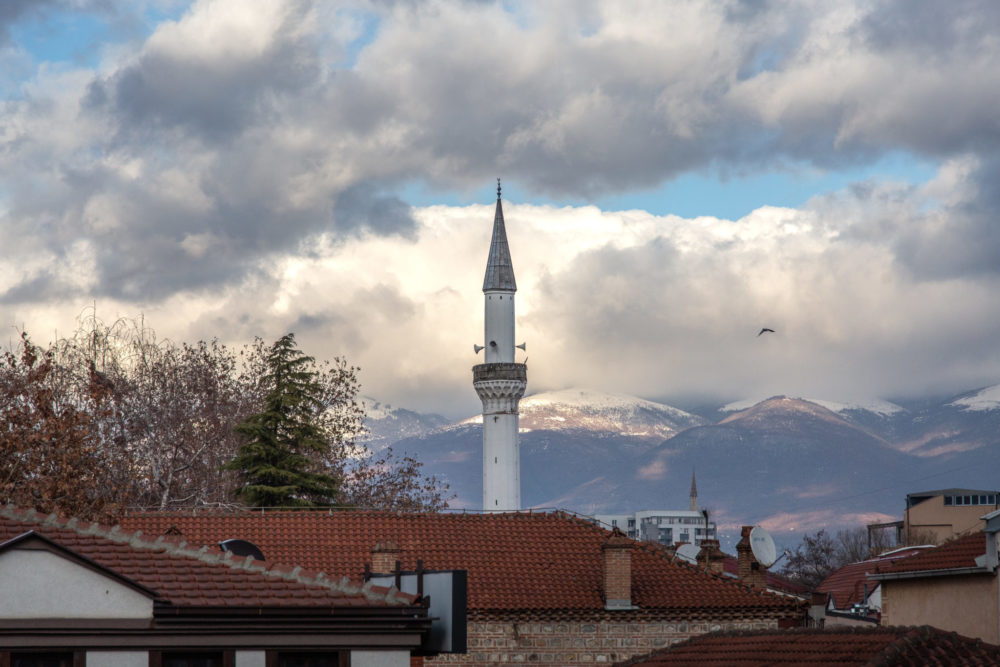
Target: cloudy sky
676, 176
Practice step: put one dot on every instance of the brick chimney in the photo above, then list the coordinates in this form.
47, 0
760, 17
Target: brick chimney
711, 557
617, 553
384, 557
749, 569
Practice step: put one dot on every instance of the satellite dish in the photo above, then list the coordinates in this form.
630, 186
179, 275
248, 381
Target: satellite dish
688, 552
762, 546
242, 548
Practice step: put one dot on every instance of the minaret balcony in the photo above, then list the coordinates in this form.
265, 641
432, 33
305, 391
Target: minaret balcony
500, 371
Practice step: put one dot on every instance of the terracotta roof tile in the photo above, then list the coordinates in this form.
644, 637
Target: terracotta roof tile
889, 647
190, 576
960, 552
524, 561
847, 585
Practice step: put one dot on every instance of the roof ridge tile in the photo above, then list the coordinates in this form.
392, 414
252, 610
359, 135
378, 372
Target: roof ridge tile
206, 554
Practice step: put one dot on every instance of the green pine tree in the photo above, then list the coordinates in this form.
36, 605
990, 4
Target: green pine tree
278, 458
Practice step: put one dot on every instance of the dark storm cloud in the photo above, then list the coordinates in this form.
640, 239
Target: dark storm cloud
930, 28
229, 138
961, 239
44, 287
13, 10
211, 95
362, 207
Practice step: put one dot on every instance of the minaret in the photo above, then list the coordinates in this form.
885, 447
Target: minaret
500, 382
694, 494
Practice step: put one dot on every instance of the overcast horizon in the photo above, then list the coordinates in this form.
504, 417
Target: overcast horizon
676, 176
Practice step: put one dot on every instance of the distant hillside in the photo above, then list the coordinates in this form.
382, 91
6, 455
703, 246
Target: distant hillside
387, 425
792, 463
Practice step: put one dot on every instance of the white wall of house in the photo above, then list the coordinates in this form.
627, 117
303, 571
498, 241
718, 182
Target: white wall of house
117, 659
380, 659
251, 659
42, 584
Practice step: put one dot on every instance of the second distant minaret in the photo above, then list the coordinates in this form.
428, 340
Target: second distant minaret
694, 494
500, 383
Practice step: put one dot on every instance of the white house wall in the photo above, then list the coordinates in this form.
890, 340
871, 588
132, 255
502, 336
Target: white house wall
380, 659
117, 659
250, 659
41, 584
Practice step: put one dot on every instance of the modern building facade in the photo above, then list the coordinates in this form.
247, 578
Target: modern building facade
500, 382
946, 513
954, 586
666, 527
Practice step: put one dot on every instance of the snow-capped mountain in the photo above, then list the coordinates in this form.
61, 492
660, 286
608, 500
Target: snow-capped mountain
590, 410
983, 400
386, 424
875, 406
595, 411
799, 464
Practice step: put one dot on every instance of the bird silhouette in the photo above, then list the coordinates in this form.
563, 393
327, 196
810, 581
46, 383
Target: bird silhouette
765, 329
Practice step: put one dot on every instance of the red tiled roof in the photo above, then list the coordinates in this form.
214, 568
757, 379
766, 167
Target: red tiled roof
847, 585
844, 646
960, 552
523, 561
188, 577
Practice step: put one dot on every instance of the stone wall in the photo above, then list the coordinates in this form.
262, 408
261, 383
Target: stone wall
576, 642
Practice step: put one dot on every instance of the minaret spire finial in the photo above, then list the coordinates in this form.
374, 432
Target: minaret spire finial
498, 187
694, 492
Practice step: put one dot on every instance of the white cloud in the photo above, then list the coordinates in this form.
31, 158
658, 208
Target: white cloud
232, 176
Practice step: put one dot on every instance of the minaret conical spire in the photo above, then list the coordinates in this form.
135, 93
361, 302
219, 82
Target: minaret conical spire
694, 493
499, 269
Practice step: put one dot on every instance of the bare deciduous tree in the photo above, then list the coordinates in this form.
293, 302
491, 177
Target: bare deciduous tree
150, 423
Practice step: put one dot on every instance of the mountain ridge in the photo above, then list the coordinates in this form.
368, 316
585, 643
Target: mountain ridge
788, 463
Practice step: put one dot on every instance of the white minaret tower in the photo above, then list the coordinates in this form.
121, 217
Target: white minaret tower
500, 382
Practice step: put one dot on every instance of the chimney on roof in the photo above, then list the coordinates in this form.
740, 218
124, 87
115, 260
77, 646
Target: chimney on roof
617, 554
385, 555
992, 530
748, 567
711, 557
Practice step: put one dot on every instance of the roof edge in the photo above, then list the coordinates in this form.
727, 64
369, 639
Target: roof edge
920, 574
205, 554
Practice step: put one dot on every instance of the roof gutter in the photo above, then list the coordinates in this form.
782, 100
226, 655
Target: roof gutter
920, 574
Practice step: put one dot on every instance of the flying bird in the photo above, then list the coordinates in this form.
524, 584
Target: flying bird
765, 329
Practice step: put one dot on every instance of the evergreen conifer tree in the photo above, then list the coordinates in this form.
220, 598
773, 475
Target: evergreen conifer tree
278, 461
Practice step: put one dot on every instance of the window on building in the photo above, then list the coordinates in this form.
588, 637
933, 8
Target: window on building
972, 499
46, 659
631, 523
192, 659
310, 659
